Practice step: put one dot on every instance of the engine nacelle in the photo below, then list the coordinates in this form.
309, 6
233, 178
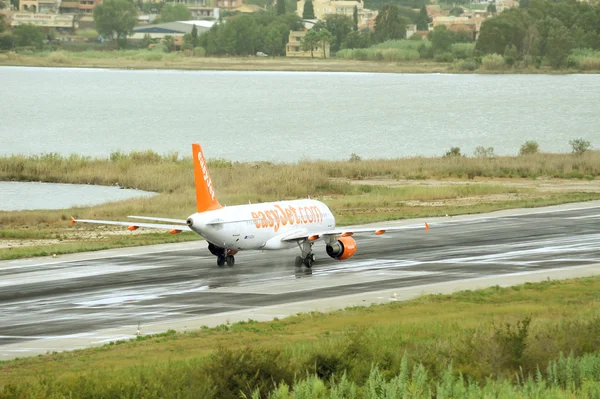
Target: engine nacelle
343, 248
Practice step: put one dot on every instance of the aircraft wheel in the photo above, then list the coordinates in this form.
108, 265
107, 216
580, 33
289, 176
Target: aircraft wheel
308, 261
230, 260
220, 260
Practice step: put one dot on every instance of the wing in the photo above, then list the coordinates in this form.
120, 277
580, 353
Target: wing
173, 228
299, 235
168, 220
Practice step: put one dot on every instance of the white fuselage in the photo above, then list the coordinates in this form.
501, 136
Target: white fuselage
262, 226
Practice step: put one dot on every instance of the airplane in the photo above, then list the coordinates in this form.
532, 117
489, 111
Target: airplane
261, 226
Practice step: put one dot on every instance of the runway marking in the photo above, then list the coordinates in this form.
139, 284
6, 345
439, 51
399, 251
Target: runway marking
584, 217
78, 272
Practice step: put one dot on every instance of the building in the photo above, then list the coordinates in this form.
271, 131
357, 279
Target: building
57, 21
344, 7
201, 8
294, 47
179, 28
249, 8
78, 7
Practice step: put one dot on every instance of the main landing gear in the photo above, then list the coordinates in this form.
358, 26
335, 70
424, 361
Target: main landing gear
307, 258
224, 256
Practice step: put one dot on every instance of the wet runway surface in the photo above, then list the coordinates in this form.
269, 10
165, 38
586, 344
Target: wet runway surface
41, 299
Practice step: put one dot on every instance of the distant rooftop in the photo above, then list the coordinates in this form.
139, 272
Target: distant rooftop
200, 23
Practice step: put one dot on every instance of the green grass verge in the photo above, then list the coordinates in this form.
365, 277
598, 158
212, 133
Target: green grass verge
498, 340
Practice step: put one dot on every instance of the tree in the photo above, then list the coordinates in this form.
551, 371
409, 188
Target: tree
441, 39
456, 11
491, 8
310, 41
115, 19
175, 12
274, 43
529, 148
2, 23
325, 37
503, 30
28, 36
361, 39
579, 146
309, 10
339, 26
280, 7
355, 19
7, 41
389, 25
195, 36
423, 19
559, 46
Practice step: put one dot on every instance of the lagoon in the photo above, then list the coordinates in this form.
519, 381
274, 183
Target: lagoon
19, 196
291, 116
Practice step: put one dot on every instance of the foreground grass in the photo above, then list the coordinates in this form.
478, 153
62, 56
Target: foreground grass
357, 192
542, 338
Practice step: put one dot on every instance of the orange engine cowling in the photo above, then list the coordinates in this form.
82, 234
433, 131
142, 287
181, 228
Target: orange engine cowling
343, 248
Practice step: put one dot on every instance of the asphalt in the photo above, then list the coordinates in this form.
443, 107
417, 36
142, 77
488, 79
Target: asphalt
83, 300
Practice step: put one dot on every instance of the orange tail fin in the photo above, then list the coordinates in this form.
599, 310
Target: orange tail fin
206, 199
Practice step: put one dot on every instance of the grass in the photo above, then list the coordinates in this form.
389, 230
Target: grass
506, 337
356, 191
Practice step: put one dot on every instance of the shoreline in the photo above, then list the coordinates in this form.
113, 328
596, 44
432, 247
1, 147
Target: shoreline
180, 62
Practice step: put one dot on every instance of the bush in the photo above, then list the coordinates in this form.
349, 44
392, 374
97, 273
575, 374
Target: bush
482, 152
444, 57
493, 62
7, 41
529, 148
579, 146
199, 52
466, 65
354, 157
462, 50
453, 152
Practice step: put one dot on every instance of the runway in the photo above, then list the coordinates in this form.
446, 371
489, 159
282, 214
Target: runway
89, 299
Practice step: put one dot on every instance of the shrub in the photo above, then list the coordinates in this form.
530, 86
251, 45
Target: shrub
579, 146
199, 52
453, 152
466, 65
529, 148
492, 62
444, 57
7, 41
354, 157
462, 50
482, 152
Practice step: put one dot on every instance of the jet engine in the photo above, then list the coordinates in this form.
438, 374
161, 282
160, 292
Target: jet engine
343, 248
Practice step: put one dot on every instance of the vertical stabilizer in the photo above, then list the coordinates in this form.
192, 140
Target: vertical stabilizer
206, 199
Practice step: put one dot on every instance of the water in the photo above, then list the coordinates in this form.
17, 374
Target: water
18, 196
289, 116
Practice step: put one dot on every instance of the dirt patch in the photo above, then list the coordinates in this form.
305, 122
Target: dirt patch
549, 185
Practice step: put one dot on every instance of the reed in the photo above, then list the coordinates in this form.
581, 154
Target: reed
357, 191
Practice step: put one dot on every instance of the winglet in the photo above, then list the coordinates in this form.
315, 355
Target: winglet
206, 199
426, 227
72, 221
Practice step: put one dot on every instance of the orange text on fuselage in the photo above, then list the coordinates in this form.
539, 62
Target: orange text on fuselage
279, 216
